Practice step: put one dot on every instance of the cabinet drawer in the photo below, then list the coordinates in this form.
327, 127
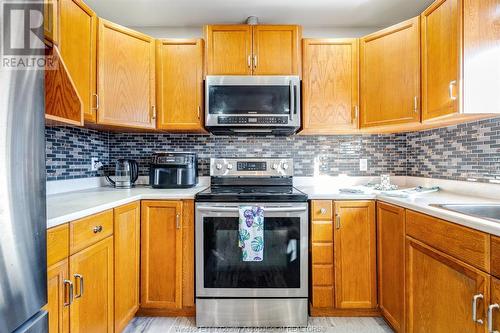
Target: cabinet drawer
322, 231
322, 297
495, 256
57, 244
322, 275
463, 243
89, 230
321, 210
322, 253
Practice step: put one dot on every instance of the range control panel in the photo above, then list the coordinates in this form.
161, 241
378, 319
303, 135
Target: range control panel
266, 167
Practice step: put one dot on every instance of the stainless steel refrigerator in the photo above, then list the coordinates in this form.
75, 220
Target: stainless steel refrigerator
23, 273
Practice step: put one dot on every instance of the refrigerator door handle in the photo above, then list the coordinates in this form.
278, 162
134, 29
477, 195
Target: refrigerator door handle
80, 285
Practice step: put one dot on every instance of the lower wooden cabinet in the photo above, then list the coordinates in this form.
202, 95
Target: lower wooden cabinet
127, 242
391, 263
92, 273
440, 291
58, 285
494, 307
343, 257
166, 285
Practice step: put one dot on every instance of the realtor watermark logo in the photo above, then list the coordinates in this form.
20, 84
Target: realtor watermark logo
22, 35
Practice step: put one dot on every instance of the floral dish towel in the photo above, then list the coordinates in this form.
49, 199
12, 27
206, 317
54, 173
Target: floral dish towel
251, 233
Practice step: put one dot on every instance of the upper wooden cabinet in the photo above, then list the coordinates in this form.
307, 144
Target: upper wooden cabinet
257, 50
391, 263
330, 86
390, 75
355, 255
440, 292
51, 22
440, 58
78, 49
126, 77
179, 80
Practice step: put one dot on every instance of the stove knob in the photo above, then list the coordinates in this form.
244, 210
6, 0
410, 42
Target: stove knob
229, 166
274, 166
218, 166
285, 166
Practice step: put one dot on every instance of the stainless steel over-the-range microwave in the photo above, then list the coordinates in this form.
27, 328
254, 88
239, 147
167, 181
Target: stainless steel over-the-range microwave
252, 104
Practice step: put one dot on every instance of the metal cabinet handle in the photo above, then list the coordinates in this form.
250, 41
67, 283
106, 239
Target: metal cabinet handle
322, 211
490, 317
68, 284
255, 61
337, 221
178, 220
356, 112
415, 104
80, 288
249, 61
474, 308
153, 112
199, 112
450, 88
96, 101
97, 229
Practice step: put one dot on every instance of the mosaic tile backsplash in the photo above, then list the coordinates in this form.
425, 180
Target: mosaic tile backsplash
457, 152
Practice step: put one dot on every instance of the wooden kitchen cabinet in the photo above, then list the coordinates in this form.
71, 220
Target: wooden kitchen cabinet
92, 273
391, 263
126, 77
258, 50
58, 285
440, 291
127, 234
179, 81
167, 257
330, 86
51, 22
495, 256
355, 255
494, 305
440, 58
78, 49
390, 75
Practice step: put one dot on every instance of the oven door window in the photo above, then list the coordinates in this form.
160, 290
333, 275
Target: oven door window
249, 99
224, 267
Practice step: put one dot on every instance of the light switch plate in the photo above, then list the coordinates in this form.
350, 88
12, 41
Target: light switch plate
363, 164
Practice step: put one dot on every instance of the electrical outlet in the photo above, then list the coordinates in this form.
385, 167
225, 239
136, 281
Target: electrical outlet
95, 164
363, 164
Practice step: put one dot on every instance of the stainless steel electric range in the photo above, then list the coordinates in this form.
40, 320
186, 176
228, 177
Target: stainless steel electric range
231, 292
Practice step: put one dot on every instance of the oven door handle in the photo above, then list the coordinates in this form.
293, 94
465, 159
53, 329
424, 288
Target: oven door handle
266, 209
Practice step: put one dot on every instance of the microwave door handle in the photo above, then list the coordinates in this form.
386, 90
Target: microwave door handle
292, 100
266, 209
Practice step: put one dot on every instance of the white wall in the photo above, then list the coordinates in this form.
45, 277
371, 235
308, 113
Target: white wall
307, 32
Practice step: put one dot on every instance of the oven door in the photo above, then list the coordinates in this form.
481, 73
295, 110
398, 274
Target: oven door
256, 101
220, 270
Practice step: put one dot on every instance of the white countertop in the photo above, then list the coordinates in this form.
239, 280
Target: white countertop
69, 206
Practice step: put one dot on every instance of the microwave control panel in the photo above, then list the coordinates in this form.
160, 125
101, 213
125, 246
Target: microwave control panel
248, 120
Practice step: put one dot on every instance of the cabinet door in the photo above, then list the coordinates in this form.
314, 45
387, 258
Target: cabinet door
92, 274
58, 297
276, 50
440, 58
180, 84
51, 22
330, 85
161, 254
355, 255
126, 77
229, 49
78, 50
127, 235
440, 291
391, 263
495, 305
390, 75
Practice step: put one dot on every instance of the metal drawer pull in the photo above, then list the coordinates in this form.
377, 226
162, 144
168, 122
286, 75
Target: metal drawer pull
337, 221
490, 317
235, 209
474, 308
97, 228
80, 288
178, 221
69, 293
450, 87
322, 211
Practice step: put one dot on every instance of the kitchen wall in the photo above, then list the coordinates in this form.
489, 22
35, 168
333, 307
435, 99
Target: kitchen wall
459, 152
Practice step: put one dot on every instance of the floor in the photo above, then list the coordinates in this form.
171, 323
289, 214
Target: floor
316, 325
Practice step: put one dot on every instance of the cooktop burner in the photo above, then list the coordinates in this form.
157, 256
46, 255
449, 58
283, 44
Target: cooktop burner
251, 193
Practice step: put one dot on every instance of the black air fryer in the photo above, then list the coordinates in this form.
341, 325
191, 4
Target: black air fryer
173, 170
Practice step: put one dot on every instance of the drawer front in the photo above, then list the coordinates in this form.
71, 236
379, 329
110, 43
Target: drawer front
322, 231
322, 297
322, 253
90, 230
321, 210
495, 256
57, 244
322, 275
470, 246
